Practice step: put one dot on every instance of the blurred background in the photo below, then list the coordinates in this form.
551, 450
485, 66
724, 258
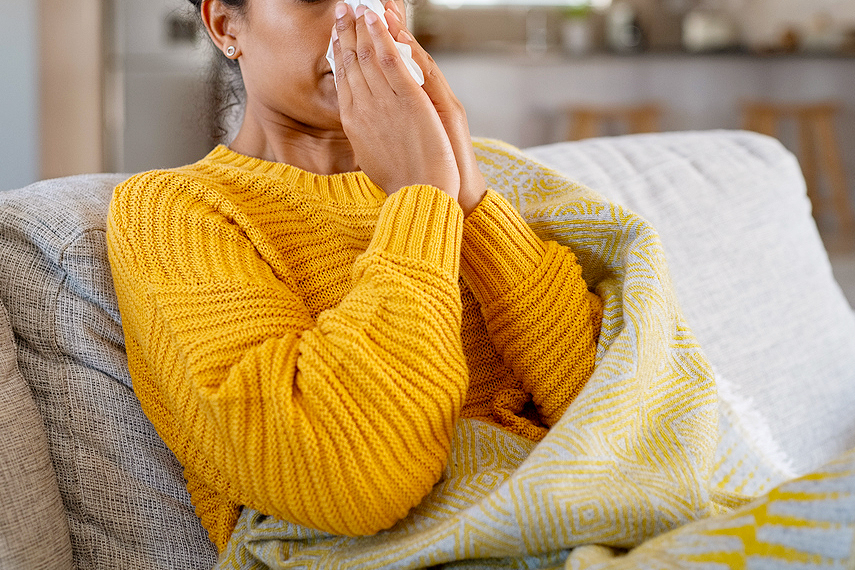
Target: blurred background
124, 85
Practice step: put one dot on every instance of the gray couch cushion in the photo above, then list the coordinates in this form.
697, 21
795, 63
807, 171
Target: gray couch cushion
749, 269
33, 528
123, 490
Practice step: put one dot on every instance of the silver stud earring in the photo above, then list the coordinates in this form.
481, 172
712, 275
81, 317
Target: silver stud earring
230, 51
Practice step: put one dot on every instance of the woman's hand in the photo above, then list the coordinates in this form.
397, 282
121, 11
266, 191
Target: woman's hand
396, 133
451, 112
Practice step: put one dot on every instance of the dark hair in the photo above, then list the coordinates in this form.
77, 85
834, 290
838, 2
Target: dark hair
239, 4
226, 92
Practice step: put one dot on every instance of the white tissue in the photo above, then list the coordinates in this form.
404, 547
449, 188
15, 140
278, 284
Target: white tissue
406, 52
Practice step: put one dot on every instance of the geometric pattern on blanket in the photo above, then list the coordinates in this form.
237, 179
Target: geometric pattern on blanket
630, 459
805, 523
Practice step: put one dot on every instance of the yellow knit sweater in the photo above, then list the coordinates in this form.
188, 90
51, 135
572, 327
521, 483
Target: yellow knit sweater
305, 345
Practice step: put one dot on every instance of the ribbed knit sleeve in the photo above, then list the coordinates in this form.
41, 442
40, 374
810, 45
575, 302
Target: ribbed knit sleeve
342, 422
538, 311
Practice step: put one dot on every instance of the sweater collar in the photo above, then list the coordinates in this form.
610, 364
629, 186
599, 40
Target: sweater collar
347, 187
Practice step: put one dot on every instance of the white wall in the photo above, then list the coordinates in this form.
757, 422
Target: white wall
19, 99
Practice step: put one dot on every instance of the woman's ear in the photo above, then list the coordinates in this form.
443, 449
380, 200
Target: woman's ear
221, 21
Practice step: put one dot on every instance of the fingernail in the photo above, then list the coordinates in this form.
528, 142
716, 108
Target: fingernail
360, 10
370, 17
404, 36
340, 9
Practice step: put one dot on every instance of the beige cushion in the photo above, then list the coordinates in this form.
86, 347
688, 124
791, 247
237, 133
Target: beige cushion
33, 528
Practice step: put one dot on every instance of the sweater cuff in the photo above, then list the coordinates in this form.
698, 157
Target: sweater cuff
423, 223
499, 249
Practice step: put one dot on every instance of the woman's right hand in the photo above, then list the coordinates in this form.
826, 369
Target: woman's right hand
393, 127
450, 111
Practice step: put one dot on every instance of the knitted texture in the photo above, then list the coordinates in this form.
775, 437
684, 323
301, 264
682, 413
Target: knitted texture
629, 459
305, 345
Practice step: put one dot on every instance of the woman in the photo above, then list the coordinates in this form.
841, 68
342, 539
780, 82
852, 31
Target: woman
310, 310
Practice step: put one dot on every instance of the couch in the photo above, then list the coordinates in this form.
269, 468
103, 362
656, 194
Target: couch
86, 482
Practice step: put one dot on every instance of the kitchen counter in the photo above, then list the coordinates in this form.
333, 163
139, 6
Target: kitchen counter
519, 52
505, 91
521, 98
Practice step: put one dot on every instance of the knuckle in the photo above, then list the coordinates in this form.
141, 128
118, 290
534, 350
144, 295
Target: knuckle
365, 54
388, 61
433, 73
348, 58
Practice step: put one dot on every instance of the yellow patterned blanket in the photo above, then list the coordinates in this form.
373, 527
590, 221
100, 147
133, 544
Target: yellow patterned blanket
630, 460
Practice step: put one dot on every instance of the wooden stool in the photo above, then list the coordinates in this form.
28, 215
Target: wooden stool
818, 150
586, 122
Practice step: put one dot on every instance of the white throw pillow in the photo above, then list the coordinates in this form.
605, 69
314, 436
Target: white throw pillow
749, 268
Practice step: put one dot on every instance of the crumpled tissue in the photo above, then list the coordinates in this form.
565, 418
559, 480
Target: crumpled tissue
406, 52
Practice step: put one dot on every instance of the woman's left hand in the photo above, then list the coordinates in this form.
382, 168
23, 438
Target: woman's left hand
450, 110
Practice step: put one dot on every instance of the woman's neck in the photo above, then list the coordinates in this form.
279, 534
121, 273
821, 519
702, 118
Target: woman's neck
290, 142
